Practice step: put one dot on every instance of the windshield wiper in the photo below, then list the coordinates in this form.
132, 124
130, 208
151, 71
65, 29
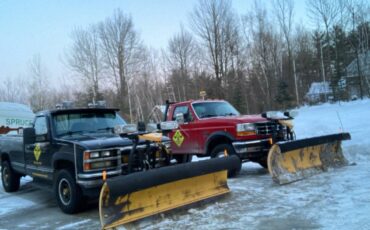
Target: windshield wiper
229, 114
70, 133
111, 129
209, 115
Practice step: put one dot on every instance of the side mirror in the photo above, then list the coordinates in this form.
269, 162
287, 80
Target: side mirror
152, 127
29, 136
180, 118
169, 125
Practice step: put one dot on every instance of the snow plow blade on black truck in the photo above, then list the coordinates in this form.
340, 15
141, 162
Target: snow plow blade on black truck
128, 198
295, 160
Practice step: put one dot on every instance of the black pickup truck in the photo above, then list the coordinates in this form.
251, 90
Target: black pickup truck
68, 149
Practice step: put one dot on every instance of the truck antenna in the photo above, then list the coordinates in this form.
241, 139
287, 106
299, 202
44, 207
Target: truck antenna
340, 121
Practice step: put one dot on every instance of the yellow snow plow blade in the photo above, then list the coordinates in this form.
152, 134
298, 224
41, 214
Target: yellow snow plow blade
155, 137
131, 197
299, 159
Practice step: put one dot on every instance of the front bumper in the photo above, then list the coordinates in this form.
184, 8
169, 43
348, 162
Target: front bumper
93, 180
91, 183
252, 150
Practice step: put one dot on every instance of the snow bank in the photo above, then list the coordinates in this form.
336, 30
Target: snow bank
352, 117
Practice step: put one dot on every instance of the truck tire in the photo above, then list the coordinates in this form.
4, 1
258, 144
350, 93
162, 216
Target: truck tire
219, 151
263, 163
183, 158
9, 177
67, 192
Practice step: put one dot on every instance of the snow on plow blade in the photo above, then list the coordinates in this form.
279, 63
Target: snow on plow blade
299, 159
131, 197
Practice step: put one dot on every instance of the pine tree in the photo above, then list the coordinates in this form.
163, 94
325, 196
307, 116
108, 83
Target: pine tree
283, 98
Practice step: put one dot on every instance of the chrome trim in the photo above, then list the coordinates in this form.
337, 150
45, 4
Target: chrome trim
90, 183
268, 127
237, 143
253, 149
101, 169
125, 148
99, 174
98, 150
101, 159
17, 164
40, 168
75, 163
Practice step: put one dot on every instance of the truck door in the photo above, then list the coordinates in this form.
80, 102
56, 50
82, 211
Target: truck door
37, 155
184, 138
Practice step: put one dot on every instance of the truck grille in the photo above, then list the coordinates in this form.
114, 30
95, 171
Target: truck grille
267, 128
125, 152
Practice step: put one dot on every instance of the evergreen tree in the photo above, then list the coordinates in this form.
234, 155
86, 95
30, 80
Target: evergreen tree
283, 98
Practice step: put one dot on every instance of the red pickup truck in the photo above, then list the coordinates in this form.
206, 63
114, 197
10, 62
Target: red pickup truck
215, 128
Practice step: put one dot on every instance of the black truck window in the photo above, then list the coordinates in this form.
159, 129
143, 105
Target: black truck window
214, 109
184, 110
71, 123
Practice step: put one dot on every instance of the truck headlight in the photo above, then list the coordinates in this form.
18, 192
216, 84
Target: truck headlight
94, 155
245, 129
105, 153
101, 164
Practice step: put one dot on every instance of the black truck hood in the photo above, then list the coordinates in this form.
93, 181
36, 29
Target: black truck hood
99, 142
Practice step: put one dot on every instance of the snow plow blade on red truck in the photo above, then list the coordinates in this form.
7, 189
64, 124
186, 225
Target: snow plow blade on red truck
295, 160
131, 197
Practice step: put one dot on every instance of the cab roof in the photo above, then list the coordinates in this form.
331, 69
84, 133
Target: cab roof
199, 101
76, 110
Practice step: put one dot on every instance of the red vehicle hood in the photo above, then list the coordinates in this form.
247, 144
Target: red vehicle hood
237, 119
248, 118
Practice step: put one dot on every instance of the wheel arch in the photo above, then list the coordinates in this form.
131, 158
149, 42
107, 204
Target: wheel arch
4, 156
63, 161
217, 138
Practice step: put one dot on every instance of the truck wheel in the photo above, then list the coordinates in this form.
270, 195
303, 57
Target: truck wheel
9, 178
67, 192
220, 150
183, 158
263, 163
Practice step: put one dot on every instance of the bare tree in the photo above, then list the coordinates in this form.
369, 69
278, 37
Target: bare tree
181, 54
307, 63
39, 87
216, 25
284, 14
265, 56
85, 58
146, 87
358, 11
13, 90
324, 13
120, 46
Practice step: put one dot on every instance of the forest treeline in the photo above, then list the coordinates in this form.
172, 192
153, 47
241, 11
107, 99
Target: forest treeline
261, 60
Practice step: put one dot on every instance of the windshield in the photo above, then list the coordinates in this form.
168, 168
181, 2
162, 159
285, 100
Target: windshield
86, 122
214, 109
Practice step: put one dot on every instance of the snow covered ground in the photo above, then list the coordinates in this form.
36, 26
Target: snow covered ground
338, 199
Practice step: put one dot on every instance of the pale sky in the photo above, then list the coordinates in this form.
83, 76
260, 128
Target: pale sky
43, 27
